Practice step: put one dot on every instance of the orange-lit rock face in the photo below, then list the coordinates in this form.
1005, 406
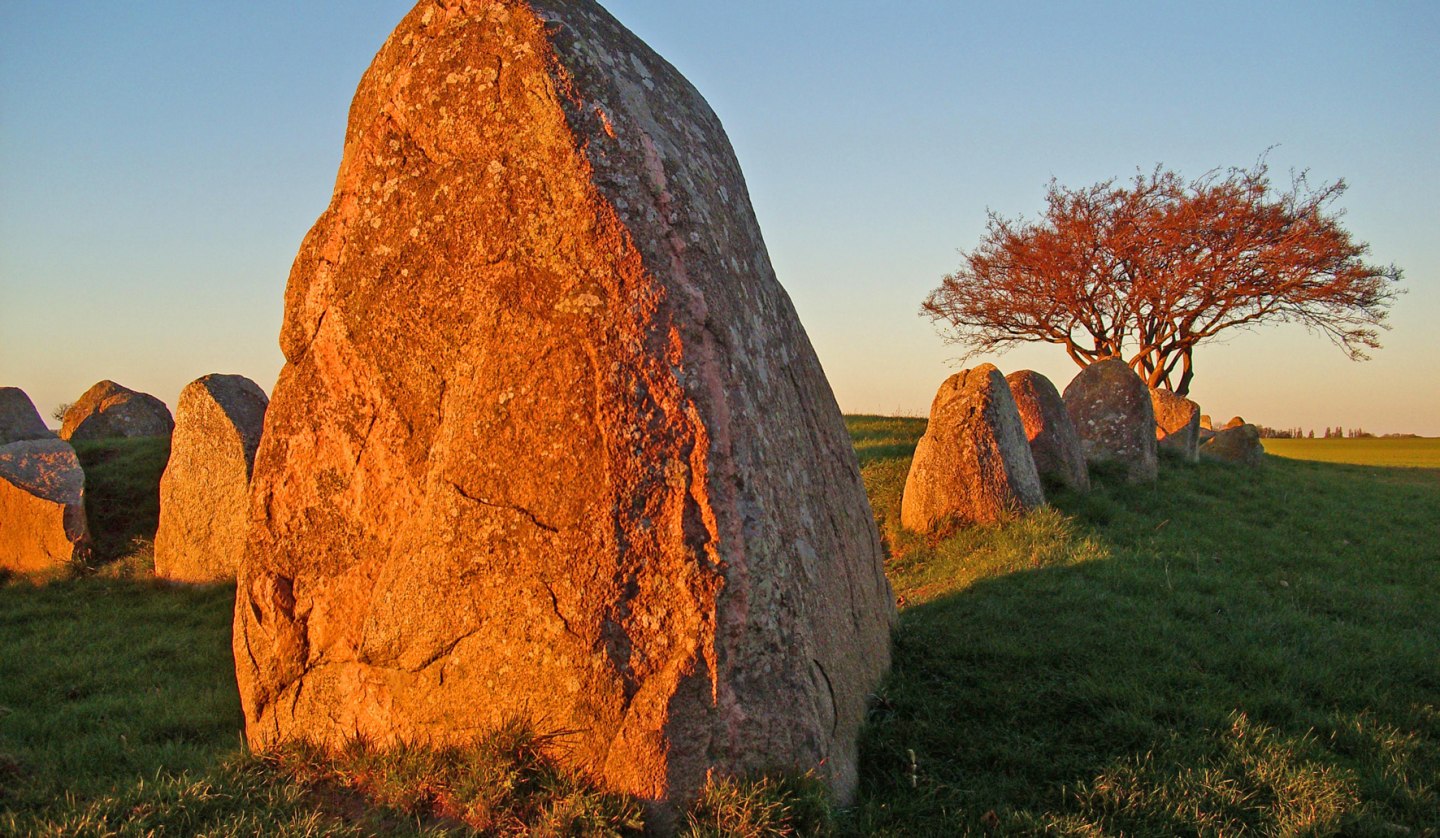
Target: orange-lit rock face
111, 410
1110, 406
1052, 437
550, 440
973, 465
42, 506
205, 491
1177, 423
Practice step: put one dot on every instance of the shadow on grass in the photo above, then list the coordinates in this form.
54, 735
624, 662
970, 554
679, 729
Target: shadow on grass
1230, 649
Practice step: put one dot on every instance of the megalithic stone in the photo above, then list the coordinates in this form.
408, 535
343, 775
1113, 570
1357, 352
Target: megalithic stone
1053, 441
42, 506
108, 410
974, 464
1110, 406
205, 490
19, 420
550, 441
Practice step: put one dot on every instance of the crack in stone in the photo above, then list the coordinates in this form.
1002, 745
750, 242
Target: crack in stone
442, 653
364, 444
508, 507
555, 606
830, 688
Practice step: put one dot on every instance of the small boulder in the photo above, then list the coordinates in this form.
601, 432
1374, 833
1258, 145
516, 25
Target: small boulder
110, 410
1110, 406
1240, 444
973, 465
205, 491
1177, 423
1235, 422
19, 420
42, 506
1053, 441
1205, 423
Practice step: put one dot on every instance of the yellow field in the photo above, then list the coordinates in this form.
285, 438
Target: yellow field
1414, 453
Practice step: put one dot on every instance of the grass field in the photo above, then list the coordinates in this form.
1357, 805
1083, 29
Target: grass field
1230, 651
122, 492
1423, 452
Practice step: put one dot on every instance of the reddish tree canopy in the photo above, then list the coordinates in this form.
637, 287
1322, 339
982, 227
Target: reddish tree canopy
1147, 270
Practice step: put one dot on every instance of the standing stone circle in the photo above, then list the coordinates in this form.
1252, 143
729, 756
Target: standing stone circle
1053, 441
1110, 406
1240, 444
109, 410
205, 490
1177, 423
550, 441
19, 420
973, 465
42, 506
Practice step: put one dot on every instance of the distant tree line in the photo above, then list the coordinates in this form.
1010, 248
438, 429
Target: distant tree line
1336, 432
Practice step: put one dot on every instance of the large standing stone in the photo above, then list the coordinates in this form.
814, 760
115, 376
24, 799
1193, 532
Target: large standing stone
19, 420
973, 465
1053, 441
42, 506
1110, 406
1177, 423
110, 410
205, 491
550, 440
1240, 444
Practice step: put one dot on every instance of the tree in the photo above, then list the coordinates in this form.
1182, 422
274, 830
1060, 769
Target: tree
1148, 270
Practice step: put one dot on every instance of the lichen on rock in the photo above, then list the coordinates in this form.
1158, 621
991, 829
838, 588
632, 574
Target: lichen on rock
550, 440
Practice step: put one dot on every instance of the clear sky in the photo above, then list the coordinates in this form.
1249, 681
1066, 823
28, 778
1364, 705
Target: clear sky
161, 161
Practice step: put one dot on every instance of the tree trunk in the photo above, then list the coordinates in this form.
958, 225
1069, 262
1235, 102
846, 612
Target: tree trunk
1188, 372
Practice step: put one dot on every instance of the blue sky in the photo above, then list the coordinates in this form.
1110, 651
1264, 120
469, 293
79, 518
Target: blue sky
160, 162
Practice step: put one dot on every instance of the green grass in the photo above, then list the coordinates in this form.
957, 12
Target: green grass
122, 493
1418, 452
1229, 651
119, 715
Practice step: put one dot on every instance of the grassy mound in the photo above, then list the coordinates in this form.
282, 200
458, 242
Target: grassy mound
1230, 650
122, 493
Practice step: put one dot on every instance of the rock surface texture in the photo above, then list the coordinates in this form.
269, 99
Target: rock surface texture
1110, 406
1053, 441
42, 506
205, 491
1240, 444
1177, 423
550, 441
19, 420
973, 465
110, 410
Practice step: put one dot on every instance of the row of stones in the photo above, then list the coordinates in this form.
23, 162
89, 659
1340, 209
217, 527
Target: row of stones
992, 439
203, 493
